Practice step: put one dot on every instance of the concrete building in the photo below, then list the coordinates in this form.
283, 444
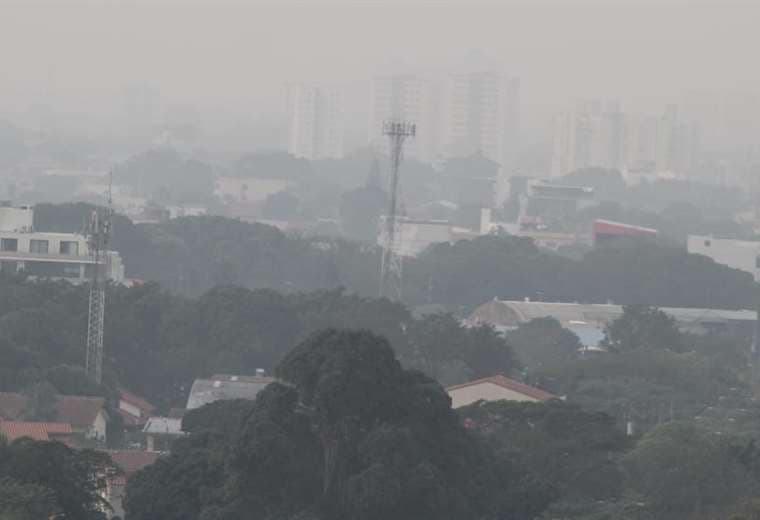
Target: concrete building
405, 97
48, 255
588, 321
315, 122
591, 134
497, 388
604, 231
160, 432
739, 254
483, 115
413, 236
223, 386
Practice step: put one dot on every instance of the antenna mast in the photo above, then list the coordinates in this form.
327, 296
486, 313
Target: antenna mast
390, 264
98, 237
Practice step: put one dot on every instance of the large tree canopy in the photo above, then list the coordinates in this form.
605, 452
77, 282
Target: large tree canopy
348, 434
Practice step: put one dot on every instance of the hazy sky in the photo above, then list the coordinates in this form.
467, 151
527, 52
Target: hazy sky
236, 55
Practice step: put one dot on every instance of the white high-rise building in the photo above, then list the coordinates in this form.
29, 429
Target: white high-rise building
315, 122
483, 115
405, 97
592, 134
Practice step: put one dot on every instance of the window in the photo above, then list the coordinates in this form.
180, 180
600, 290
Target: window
71, 270
69, 248
8, 244
38, 246
8, 267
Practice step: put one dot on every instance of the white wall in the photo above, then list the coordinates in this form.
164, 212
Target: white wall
739, 254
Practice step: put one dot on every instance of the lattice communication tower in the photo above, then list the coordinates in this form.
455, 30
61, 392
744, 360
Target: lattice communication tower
391, 262
98, 238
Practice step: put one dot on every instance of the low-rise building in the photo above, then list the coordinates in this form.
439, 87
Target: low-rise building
496, 388
739, 254
134, 410
86, 415
607, 230
224, 386
413, 236
588, 321
160, 432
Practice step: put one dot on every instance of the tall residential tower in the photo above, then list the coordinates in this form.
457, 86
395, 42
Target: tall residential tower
315, 122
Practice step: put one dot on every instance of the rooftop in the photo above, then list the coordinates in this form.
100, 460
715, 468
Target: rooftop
38, 431
79, 412
164, 426
511, 313
135, 400
509, 384
223, 386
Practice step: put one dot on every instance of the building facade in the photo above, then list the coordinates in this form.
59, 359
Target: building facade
589, 135
739, 254
315, 122
405, 97
48, 255
483, 115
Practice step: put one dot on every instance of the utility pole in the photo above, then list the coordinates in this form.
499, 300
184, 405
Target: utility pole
98, 238
391, 263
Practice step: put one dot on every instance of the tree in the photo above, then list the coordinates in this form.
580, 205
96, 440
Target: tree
347, 434
26, 501
74, 480
681, 470
575, 450
360, 212
642, 327
442, 348
282, 205
543, 342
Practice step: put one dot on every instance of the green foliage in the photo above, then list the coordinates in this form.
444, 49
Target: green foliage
164, 176
642, 327
26, 501
39, 478
680, 470
575, 450
360, 212
542, 343
282, 205
348, 434
442, 348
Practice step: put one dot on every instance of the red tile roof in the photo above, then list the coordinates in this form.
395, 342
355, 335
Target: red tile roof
39, 431
509, 384
78, 411
135, 400
81, 412
131, 461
